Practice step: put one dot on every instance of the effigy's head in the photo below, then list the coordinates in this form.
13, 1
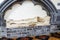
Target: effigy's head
26, 14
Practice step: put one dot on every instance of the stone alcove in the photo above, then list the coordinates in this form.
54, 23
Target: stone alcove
48, 6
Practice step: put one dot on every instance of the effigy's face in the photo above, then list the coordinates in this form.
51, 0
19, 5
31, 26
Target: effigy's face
26, 14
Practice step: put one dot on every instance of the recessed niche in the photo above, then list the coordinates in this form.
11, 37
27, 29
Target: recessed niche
27, 14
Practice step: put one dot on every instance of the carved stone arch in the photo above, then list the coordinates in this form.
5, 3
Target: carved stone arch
49, 6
